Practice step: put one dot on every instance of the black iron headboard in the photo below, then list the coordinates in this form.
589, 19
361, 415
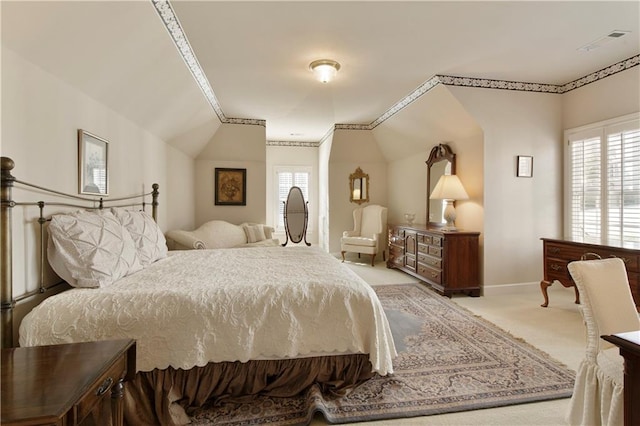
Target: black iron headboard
7, 300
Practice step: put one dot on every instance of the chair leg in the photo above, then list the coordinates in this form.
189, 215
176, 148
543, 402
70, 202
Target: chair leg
358, 255
384, 256
373, 259
343, 255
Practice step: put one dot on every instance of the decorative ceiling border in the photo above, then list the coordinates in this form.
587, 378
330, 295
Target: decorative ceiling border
170, 21
297, 144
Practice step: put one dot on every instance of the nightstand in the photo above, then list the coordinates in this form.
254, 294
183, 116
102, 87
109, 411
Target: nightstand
69, 384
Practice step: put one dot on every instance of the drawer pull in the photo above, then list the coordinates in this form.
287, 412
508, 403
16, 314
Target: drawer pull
104, 387
586, 256
434, 274
556, 267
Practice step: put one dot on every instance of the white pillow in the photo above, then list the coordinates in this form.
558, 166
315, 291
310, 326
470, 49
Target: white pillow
149, 240
254, 233
93, 246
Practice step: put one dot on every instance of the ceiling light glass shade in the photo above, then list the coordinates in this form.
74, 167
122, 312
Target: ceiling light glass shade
324, 69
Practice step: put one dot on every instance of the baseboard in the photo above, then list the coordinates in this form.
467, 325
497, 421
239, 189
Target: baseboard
498, 290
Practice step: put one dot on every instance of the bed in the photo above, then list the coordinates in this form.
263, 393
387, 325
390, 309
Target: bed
208, 324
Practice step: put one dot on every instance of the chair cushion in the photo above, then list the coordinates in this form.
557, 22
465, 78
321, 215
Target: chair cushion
359, 241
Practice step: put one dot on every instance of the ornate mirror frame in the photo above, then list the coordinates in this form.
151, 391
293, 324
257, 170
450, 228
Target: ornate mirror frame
359, 187
435, 169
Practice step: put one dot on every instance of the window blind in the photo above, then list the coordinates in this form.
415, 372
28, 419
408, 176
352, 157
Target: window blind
604, 184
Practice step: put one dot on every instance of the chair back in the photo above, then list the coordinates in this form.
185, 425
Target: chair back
607, 303
373, 219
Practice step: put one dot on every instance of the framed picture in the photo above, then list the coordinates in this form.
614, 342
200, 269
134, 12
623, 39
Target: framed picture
93, 165
231, 187
525, 166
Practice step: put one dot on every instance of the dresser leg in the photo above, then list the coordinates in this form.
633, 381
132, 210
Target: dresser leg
544, 285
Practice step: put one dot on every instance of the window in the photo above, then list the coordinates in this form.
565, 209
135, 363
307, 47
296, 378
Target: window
286, 177
603, 183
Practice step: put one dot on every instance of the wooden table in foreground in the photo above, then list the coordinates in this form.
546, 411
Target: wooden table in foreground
70, 384
629, 344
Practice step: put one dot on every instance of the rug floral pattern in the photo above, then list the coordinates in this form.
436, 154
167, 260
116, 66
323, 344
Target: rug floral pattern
449, 360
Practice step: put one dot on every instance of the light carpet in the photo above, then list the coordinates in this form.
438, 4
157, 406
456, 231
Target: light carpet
449, 361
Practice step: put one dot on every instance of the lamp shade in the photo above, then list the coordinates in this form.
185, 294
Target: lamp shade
449, 187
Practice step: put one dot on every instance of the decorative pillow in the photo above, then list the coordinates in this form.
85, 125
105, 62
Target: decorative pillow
254, 233
94, 247
149, 240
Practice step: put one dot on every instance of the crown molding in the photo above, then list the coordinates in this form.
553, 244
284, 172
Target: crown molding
170, 21
172, 24
297, 144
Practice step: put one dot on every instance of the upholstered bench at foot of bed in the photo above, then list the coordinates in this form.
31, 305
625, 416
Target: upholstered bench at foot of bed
221, 234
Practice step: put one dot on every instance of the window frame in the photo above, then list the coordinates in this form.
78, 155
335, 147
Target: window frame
601, 130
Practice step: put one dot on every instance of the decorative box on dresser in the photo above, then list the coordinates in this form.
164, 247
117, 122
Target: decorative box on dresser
559, 253
68, 384
448, 261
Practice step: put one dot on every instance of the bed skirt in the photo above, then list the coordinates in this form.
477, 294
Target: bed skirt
165, 397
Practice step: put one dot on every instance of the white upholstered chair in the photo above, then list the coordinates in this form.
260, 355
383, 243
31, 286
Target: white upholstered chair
607, 308
367, 236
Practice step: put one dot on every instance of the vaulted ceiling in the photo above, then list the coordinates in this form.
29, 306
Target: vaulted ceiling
255, 55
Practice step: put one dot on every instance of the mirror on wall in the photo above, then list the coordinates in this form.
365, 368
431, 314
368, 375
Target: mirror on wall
359, 187
441, 161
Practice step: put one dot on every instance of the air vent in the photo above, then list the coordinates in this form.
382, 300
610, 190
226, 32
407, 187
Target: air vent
612, 36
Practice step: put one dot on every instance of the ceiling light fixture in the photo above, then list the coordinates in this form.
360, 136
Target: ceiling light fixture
324, 69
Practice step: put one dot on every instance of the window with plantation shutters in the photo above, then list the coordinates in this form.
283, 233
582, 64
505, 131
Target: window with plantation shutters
287, 177
603, 183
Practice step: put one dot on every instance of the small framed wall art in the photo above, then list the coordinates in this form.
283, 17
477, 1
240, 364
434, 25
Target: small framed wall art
524, 166
93, 164
230, 187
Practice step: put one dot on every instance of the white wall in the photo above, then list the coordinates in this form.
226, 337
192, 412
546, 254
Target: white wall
324, 155
293, 156
40, 118
610, 97
517, 211
352, 149
233, 146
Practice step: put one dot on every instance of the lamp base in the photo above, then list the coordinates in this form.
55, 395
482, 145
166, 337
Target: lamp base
450, 216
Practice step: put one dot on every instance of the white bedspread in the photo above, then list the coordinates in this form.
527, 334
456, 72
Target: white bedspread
201, 306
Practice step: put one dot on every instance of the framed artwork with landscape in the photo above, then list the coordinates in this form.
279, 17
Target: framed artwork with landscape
93, 166
230, 187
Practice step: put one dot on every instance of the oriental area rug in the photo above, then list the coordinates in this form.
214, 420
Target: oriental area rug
448, 360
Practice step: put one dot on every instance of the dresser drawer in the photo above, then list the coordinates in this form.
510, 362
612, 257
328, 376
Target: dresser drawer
434, 262
431, 274
425, 239
423, 248
559, 251
435, 251
396, 250
102, 388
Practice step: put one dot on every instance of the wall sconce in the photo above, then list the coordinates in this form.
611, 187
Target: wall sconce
449, 188
359, 187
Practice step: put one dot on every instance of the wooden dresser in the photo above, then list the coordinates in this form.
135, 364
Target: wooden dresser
448, 261
70, 384
558, 253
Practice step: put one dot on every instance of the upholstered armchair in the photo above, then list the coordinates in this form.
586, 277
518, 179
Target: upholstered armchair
607, 308
368, 234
